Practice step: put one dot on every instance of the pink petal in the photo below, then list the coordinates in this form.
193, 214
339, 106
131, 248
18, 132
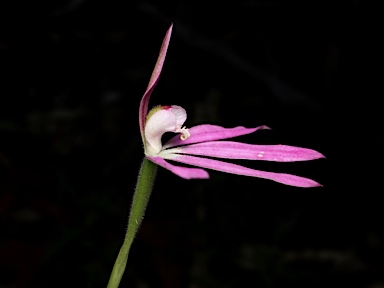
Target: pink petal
240, 170
236, 150
143, 110
206, 132
183, 172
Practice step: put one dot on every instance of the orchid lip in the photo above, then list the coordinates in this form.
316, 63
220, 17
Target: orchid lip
164, 119
184, 133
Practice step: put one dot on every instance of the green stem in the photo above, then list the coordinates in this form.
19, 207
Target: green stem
143, 190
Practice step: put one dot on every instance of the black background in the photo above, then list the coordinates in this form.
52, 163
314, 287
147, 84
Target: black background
72, 74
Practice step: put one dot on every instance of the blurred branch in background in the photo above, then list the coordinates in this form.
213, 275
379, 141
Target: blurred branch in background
282, 91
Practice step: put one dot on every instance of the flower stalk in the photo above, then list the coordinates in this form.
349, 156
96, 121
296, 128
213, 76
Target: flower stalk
143, 190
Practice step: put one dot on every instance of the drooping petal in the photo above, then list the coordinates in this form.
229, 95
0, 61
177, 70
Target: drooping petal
183, 172
236, 150
206, 132
143, 110
283, 178
165, 119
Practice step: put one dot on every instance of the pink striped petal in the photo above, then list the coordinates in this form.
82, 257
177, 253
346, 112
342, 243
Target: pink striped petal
236, 150
206, 132
183, 172
240, 170
143, 110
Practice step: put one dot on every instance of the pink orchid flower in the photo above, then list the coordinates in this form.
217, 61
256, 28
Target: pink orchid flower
202, 140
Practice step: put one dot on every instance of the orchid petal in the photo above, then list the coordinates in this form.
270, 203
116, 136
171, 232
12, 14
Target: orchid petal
283, 178
206, 132
183, 172
236, 150
143, 110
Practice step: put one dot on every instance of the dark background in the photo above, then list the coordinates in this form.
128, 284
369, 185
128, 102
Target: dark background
72, 74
